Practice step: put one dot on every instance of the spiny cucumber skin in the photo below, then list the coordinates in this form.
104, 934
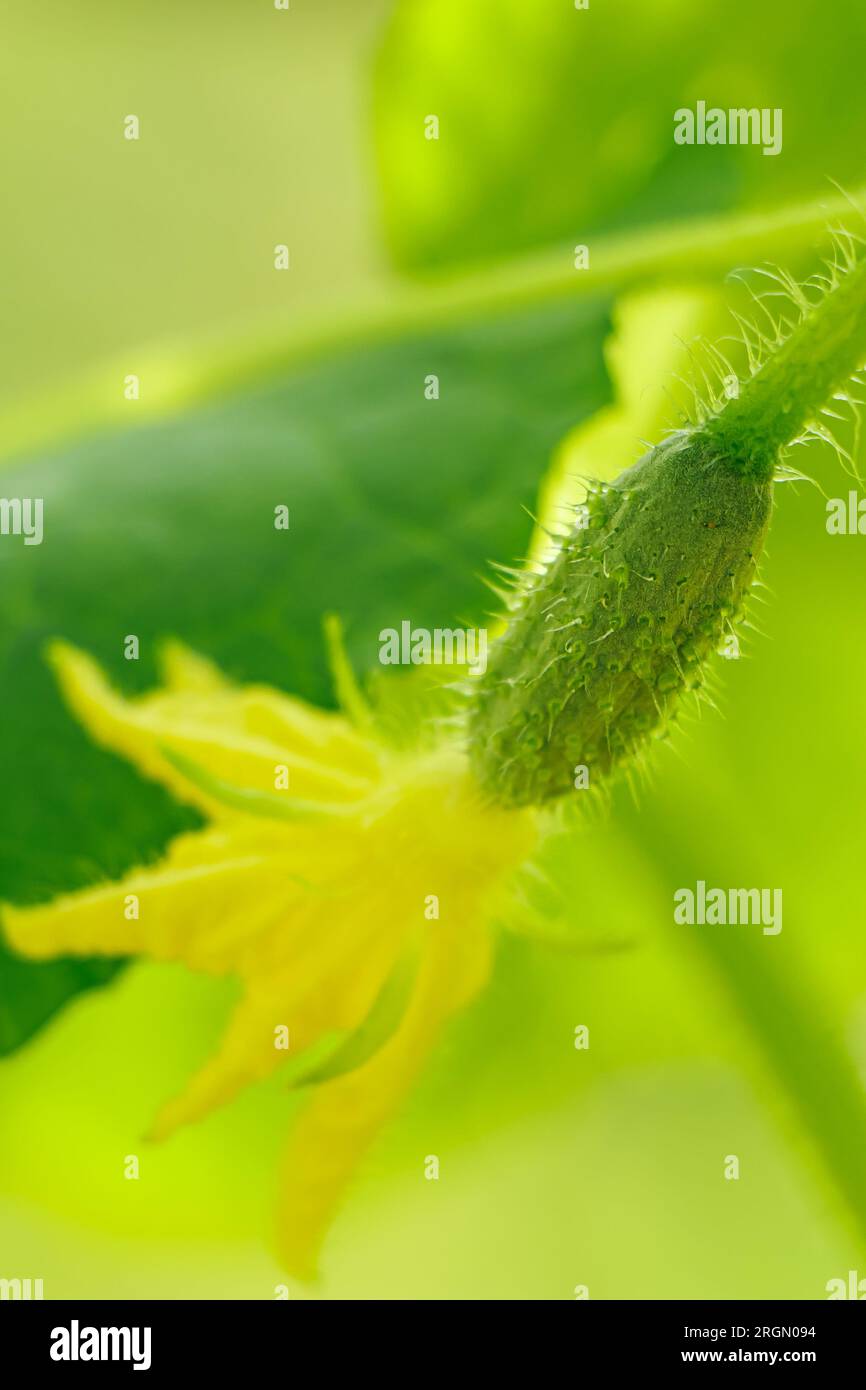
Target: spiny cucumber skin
600, 647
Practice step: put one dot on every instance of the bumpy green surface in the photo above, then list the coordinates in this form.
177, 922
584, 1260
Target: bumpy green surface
603, 643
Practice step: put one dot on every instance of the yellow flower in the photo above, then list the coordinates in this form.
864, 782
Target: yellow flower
353, 903
314, 895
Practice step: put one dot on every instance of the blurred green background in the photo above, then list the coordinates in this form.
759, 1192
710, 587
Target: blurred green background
559, 1168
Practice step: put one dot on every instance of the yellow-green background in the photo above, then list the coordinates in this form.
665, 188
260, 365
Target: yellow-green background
558, 1167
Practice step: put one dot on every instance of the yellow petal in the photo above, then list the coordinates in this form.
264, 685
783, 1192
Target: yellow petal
325, 984
185, 671
344, 1116
179, 906
205, 728
295, 725
310, 914
312, 949
267, 713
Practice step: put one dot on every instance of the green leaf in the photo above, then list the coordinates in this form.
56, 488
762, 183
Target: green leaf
556, 124
396, 502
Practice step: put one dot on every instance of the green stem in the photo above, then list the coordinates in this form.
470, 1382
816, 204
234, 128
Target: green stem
798, 378
690, 247
812, 1078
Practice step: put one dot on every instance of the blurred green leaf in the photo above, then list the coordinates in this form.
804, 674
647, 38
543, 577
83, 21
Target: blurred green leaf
557, 123
168, 530
396, 505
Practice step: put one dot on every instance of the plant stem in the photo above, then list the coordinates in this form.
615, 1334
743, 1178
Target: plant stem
688, 248
796, 380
